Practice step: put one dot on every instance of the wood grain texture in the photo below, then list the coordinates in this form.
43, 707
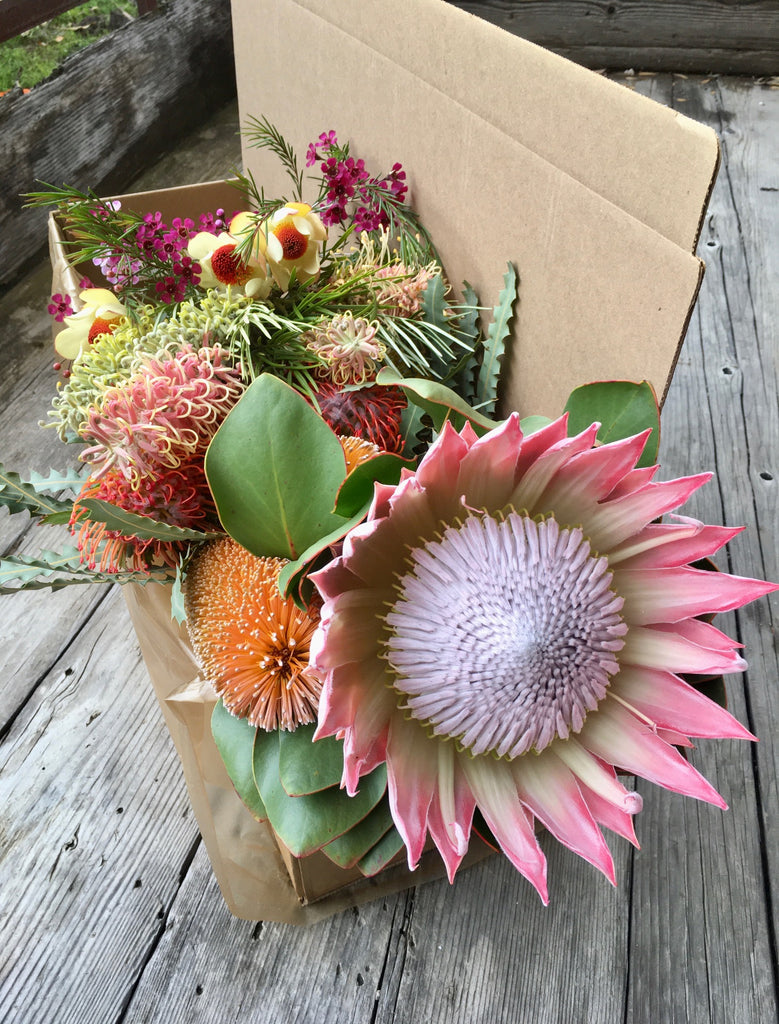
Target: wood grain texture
112, 109
707, 36
689, 936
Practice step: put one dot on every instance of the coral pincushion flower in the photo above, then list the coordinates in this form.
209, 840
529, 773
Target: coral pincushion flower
100, 313
509, 626
178, 497
165, 415
252, 644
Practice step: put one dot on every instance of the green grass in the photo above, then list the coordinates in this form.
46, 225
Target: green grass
31, 57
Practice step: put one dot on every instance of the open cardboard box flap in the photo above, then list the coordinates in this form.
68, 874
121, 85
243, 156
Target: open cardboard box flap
596, 194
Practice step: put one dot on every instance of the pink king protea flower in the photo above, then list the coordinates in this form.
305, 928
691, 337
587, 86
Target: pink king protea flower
508, 626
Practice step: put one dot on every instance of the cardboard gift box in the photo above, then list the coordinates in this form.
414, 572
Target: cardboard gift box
594, 193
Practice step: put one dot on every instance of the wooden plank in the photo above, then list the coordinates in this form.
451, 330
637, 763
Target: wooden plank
51, 135
701, 935
95, 831
693, 35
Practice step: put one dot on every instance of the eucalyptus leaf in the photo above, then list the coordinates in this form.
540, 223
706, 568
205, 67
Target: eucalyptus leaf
234, 738
357, 489
307, 823
439, 401
347, 849
291, 575
274, 468
131, 524
308, 767
379, 856
622, 407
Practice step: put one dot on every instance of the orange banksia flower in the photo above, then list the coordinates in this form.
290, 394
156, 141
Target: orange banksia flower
252, 644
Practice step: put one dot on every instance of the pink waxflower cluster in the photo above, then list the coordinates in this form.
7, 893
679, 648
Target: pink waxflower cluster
162, 246
162, 418
348, 185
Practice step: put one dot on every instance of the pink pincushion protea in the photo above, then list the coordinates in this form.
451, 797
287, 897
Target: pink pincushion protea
508, 627
163, 417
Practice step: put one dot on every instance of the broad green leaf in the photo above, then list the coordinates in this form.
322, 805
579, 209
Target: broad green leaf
131, 524
357, 489
20, 495
234, 739
306, 823
291, 575
439, 401
530, 424
495, 342
377, 858
347, 849
622, 407
274, 468
307, 767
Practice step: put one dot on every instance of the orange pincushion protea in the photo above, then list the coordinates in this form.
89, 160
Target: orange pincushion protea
251, 643
357, 450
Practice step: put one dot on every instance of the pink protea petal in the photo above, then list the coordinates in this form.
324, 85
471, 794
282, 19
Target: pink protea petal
451, 810
495, 791
440, 465
334, 578
538, 476
412, 770
549, 790
539, 442
661, 545
671, 594
591, 475
617, 736
633, 481
676, 739
598, 776
675, 649
616, 520
674, 704
487, 481
365, 743
605, 813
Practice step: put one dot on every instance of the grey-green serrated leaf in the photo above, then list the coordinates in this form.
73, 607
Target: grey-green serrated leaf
495, 342
20, 495
130, 524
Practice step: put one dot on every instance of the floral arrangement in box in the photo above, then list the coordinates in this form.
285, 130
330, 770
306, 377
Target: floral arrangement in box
423, 617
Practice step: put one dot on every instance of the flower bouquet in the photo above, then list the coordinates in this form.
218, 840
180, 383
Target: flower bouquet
423, 623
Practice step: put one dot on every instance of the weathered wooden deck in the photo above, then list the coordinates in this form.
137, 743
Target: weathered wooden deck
108, 910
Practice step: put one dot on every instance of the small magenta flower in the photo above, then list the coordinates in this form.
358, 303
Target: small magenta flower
509, 626
60, 307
